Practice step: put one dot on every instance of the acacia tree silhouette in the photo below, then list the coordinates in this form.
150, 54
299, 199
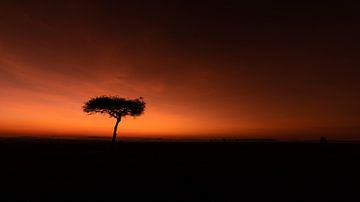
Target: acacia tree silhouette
115, 107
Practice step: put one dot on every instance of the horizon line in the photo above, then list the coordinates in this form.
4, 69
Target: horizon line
171, 139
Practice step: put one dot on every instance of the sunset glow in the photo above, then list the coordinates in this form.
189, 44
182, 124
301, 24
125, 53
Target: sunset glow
199, 78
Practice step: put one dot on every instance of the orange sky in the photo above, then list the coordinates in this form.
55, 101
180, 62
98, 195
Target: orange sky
202, 71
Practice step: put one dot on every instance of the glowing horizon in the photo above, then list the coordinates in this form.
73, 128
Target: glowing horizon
197, 76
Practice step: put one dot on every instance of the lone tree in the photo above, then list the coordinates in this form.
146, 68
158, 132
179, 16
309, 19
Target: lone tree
115, 107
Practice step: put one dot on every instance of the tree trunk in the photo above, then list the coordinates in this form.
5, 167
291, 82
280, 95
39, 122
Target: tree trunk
115, 129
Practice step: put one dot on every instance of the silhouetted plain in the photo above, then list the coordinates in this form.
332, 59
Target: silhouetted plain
115, 107
88, 170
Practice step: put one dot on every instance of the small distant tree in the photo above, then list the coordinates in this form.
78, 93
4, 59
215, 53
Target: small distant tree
115, 107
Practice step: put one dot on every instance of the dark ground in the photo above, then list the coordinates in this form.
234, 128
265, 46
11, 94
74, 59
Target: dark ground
74, 170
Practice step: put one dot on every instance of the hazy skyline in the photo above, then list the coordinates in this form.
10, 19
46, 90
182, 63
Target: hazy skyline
273, 69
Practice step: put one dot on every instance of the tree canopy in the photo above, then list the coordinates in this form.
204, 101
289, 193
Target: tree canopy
116, 107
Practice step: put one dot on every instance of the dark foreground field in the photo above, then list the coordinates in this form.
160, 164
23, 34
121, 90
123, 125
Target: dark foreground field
74, 170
